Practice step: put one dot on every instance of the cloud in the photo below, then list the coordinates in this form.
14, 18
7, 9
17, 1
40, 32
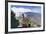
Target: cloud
20, 11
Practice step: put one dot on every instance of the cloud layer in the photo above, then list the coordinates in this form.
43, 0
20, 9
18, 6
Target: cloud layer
14, 9
20, 11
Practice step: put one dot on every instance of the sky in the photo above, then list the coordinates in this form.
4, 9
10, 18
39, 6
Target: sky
35, 9
19, 10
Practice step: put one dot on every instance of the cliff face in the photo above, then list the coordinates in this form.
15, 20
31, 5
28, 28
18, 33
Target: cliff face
14, 22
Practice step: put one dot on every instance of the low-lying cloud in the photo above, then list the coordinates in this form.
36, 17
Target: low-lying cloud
20, 11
